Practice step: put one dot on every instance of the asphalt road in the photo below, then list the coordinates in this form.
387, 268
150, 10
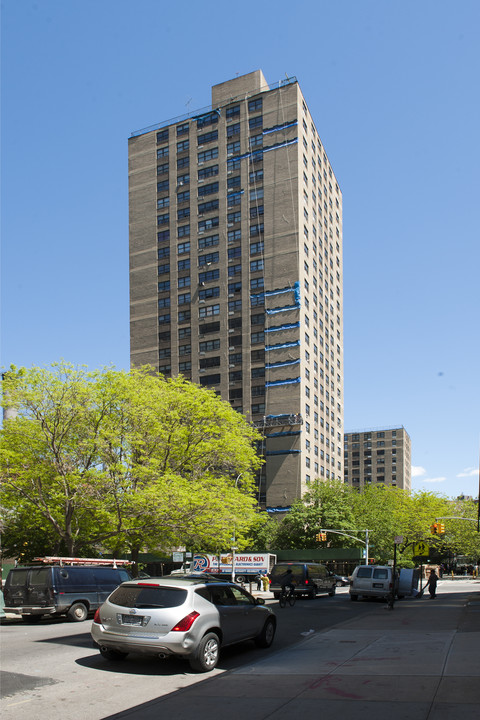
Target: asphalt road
51, 670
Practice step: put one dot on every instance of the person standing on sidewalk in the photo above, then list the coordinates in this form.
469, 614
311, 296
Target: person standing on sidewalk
432, 584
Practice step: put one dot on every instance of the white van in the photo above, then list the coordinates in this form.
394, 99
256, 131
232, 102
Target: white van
372, 581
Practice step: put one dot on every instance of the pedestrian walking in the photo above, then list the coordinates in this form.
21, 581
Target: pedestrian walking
432, 584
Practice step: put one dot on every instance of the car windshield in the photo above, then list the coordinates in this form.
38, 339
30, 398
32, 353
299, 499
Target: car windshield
138, 596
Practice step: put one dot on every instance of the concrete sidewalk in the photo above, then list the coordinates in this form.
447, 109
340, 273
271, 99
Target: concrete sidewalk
420, 661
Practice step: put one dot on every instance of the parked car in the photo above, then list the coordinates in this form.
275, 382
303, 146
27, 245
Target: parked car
342, 580
309, 578
372, 581
189, 616
54, 590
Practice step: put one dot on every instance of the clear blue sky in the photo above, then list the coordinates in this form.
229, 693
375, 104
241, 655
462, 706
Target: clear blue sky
394, 90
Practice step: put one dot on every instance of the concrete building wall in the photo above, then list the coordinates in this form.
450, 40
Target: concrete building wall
236, 270
380, 456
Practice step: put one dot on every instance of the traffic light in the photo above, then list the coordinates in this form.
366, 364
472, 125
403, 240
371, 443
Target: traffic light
321, 537
434, 528
371, 561
440, 528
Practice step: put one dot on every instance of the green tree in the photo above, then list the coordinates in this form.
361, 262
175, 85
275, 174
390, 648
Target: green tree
125, 459
326, 505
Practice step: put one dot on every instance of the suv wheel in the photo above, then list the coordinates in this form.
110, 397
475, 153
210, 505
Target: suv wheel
206, 655
265, 638
78, 612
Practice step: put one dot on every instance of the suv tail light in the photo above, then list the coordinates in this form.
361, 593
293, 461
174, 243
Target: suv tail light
96, 617
186, 623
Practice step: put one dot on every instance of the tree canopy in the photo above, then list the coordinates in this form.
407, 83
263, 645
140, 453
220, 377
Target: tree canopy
123, 460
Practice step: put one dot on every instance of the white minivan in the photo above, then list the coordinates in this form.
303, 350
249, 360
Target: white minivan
372, 581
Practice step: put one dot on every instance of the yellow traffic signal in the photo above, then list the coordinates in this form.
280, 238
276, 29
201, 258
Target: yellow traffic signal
434, 528
440, 528
324, 536
318, 537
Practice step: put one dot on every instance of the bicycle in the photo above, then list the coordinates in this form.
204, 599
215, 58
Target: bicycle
289, 597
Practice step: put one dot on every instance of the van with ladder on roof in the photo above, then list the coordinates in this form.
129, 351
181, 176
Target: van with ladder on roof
56, 586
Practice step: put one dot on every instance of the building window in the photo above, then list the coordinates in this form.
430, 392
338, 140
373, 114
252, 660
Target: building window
234, 288
183, 129
209, 241
184, 316
184, 299
164, 302
162, 152
183, 231
162, 169
256, 265
184, 349
209, 293
208, 224
256, 211
208, 206
209, 345
255, 141
164, 319
183, 366
234, 305
232, 112
255, 104
207, 259
208, 311
256, 248
162, 269
207, 137
183, 213
164, 286
257, 337
184, 281
162, 135
183, 196
163, 203
183, 248
256, 230
205, 120
233, 147
256, 284
208, 276
163, 236
233, 164
207, 172
183, 145
208, 189
255, 122
234, 252
184, 333
234, 235
234, 217
163, 186
233, 130
183, 162
234, 270
210, 154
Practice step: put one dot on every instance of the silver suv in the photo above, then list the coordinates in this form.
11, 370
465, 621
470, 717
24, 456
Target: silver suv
184, 616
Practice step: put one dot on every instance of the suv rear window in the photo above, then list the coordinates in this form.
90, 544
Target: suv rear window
138, 596
364, 572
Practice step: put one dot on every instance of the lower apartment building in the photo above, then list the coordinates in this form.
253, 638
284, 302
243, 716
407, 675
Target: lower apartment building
236, 271
380, 456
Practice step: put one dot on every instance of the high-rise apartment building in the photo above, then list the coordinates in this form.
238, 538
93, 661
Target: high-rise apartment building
236, 271
378, 456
